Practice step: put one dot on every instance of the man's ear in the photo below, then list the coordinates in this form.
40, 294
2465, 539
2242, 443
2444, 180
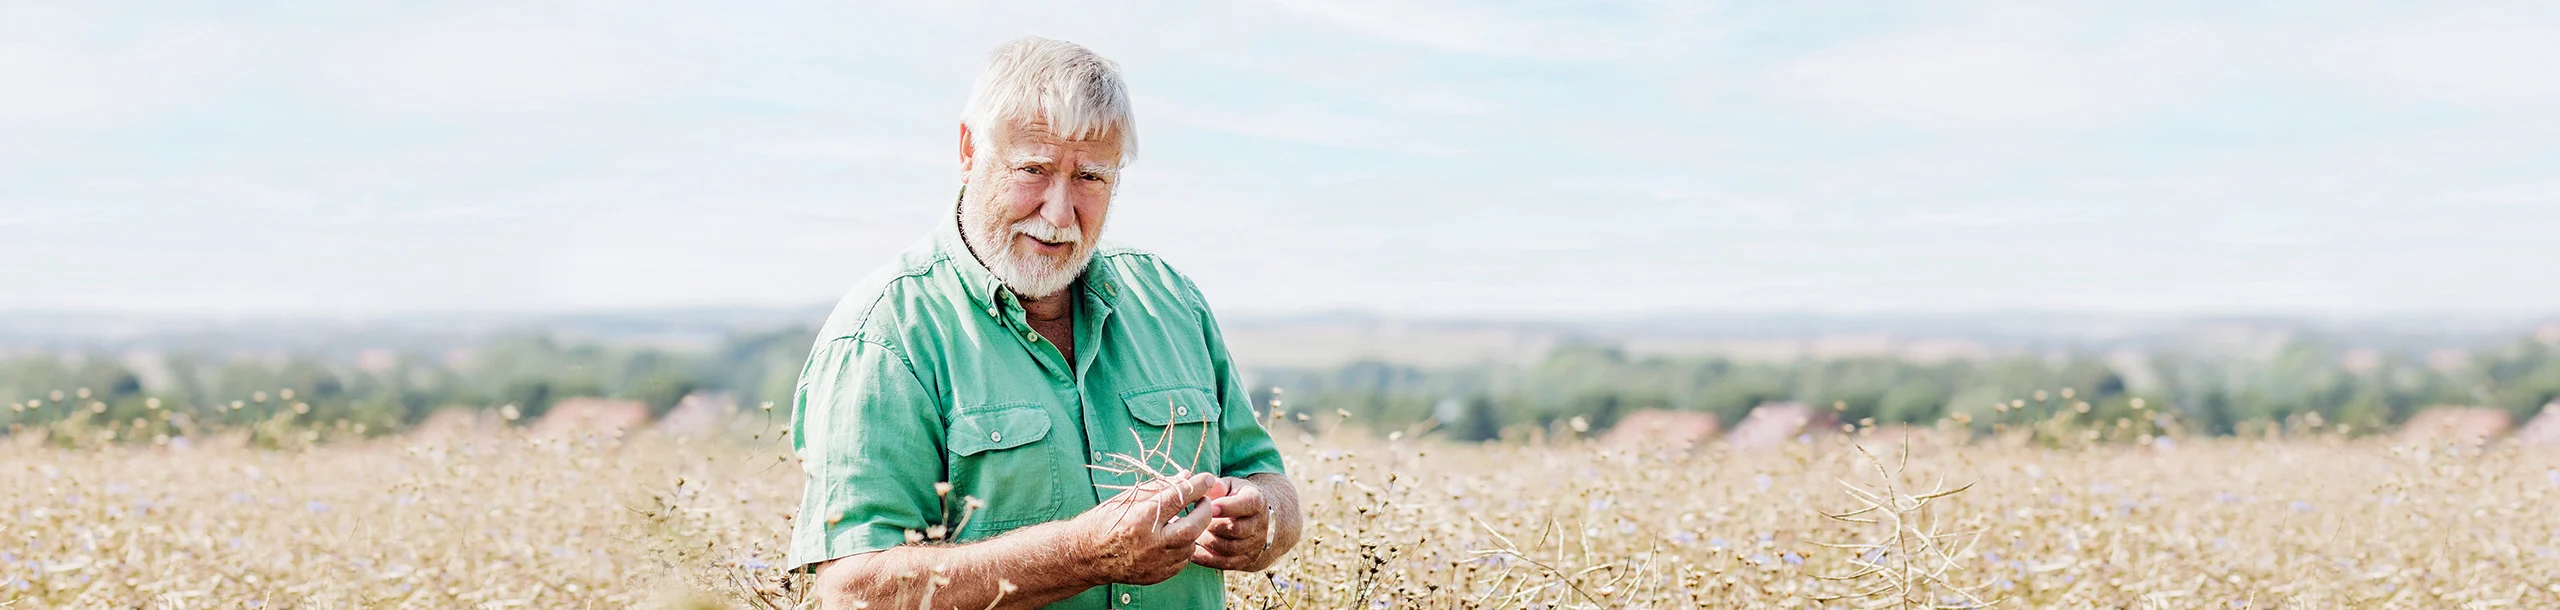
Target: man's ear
968, 152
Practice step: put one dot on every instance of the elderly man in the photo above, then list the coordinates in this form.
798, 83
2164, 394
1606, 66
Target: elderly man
1016, 414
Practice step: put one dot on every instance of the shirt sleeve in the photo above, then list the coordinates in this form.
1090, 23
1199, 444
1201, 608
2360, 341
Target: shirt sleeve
1248, 448
869, 437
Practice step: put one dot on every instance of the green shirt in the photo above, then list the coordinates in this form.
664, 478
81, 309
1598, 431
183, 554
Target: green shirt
929, 372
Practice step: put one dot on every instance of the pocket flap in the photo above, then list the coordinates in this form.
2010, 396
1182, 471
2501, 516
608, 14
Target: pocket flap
1165, 406
976, 431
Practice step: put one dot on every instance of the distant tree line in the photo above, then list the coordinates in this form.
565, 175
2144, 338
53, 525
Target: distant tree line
170, 394
2208, 392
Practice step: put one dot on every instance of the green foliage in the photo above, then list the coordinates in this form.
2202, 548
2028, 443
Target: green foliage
2216, 393
194, 391
2204, 392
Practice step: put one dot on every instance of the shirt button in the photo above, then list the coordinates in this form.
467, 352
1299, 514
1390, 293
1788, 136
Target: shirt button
1033, 336
1124, 598
991, 312
1097, 456
997, 437
1181, 410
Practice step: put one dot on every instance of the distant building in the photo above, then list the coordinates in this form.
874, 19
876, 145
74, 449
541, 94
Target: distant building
587, 415
700, 413
2544, 429
1655, 428
1774, 423
451, 423
1891, 438
2447, 360
2455, 424
377, 360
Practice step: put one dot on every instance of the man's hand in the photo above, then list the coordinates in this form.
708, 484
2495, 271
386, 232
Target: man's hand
1136, 538
1244, 536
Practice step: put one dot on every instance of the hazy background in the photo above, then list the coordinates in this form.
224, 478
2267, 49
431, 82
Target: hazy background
1406, 158
2304, 206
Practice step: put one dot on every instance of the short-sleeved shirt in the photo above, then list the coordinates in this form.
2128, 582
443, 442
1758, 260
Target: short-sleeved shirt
929, 372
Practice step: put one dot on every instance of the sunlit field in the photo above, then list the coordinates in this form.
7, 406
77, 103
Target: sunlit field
503, 520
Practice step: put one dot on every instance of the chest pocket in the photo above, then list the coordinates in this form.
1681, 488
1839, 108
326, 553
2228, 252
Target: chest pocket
997, 457
1179, 424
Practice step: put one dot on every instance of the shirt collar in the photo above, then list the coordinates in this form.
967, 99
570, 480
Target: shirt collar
984, 289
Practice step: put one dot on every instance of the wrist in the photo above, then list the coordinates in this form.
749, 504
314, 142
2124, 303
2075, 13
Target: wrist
1068, 551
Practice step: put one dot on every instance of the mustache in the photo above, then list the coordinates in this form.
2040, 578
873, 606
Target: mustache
1043, 231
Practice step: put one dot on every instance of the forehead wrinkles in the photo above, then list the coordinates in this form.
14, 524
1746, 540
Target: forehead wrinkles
1033, 140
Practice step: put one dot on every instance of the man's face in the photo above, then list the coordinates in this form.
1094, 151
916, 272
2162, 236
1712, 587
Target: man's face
1035, 204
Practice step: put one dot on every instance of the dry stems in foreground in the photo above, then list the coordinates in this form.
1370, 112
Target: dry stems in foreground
505, 521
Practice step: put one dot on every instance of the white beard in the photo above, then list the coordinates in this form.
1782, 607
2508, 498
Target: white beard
1029, 275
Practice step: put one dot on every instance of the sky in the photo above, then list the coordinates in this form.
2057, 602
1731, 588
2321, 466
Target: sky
1402, 157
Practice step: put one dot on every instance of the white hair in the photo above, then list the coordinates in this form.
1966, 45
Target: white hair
1077, 91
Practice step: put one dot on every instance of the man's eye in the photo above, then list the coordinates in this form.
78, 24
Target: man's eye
1031, 169
1089, 177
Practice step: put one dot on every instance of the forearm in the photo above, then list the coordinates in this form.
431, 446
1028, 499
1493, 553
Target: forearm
1039, 564
1281, 498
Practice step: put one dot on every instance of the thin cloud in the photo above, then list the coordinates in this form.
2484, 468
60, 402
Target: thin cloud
1968, 77
1474, 29
2472, 59
1301, 125
1410, 155
56, 79
505, 64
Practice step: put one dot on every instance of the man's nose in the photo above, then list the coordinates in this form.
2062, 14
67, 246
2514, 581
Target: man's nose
1056, 205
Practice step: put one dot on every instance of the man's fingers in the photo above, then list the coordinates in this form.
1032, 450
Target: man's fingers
1184, 491
1203, 556
1213, 560
1239, 529
1190, 526
1228, 545
1244, 502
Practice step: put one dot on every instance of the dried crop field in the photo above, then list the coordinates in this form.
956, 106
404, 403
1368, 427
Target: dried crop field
504, 521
